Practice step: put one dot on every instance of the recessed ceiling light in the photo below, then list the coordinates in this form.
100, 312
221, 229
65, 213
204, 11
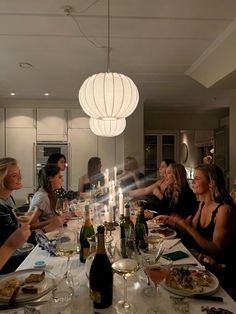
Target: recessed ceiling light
46, 94
12, 94
25, 65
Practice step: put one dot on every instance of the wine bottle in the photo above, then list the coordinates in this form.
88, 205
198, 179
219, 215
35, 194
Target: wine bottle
101, 275
126, 230
86, 232
141, 230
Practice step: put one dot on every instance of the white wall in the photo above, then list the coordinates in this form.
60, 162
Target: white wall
188, 138
134, 136
182, 119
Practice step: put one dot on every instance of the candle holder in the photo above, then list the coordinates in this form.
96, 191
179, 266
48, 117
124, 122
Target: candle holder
110, 226
114, 216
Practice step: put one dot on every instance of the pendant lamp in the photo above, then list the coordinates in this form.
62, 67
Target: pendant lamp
107, 128
108, 96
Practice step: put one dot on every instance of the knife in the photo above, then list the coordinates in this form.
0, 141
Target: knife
207, 297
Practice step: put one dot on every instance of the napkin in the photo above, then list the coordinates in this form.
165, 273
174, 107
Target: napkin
45, 243
168, 244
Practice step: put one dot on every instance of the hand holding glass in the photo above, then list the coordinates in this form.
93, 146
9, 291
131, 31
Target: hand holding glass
24, 215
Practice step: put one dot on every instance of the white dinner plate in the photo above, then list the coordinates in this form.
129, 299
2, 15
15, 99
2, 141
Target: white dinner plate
211, 289
44, 287
158, 231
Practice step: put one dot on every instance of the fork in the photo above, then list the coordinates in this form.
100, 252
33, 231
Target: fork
160, 250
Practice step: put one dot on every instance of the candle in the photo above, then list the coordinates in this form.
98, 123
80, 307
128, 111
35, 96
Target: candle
121, 203
107, 178
113, 192
105, 213
110, 208
110, 188
115, 175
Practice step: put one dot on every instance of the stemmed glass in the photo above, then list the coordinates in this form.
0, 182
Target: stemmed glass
24, 215
67, 245
62, 206
125, 263
157, 272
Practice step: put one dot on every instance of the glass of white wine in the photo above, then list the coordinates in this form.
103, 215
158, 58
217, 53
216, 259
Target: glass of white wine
125, 263
62, 206
24, 214
66, 245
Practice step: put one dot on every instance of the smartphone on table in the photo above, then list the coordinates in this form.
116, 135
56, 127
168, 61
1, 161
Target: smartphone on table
174, 256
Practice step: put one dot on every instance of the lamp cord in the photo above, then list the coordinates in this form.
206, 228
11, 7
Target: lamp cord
108, 36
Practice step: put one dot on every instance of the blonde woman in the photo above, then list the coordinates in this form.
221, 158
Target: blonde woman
178, 198
131, 179
213, 226
10, 180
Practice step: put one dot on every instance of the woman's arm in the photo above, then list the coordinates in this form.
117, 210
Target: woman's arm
15, 241
143, 191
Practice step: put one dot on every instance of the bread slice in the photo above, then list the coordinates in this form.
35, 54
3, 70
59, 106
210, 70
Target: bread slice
35, 277
30, 289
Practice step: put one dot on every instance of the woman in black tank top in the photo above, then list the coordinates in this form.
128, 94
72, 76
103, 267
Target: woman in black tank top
213, 226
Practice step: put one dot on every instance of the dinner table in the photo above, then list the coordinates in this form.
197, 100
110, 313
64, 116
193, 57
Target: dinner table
82, 304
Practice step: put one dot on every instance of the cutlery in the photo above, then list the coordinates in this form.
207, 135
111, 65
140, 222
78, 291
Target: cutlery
199, 296
207, 297
8, 306
186, 264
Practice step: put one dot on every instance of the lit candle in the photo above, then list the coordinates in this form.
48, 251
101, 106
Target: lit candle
110, 188
113, 192
105, 213
110, 208
115, 175
121, 202
107, 178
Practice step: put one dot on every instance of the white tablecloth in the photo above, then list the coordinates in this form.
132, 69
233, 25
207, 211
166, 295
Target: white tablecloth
82, 303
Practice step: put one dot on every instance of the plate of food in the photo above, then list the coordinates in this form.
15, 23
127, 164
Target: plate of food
189, 281
163, 232
28, 285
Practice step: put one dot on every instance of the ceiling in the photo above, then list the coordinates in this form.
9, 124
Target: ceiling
153, 41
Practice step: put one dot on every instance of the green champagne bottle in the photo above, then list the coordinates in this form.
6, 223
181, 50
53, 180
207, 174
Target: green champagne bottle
86, 232
141, 230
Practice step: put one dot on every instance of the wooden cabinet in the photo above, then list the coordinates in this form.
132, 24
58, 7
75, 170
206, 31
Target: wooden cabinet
52, 124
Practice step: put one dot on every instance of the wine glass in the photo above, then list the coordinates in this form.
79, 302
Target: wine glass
157, 272
24, 214
62, 206
67, 245
150, 257
125, 263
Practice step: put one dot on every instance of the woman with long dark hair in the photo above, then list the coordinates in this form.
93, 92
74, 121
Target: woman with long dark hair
93, 175
49, 179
